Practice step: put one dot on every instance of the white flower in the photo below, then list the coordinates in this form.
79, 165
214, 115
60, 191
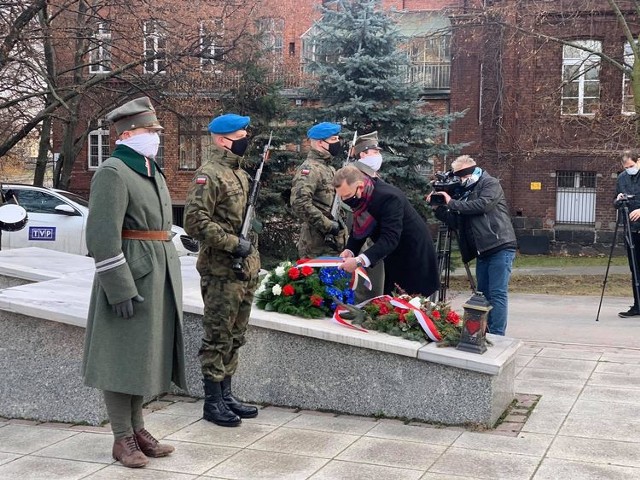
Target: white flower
416, 302
276, 289
280, 271
260, 289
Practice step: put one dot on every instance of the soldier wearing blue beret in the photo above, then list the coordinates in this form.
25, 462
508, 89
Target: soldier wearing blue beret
213, 215
312, 194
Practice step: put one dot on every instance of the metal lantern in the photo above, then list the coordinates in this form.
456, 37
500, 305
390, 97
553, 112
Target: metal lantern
474, 324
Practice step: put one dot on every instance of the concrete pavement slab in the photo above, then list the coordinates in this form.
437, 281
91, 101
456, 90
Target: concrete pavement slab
114, 472
554, 469
611, 394
603, 420
533, 444
572, 353
209, 433
85, 447
605, 379
422, 434
563, 364
273, 416
590, 450
254, 464
392, 453
305, 442
336, 424
341, 470
193, 458
40, 468
26, 439
162, 425
480, 464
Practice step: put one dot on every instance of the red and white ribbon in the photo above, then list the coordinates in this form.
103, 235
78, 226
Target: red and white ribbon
337, 318
359, 273
423, 319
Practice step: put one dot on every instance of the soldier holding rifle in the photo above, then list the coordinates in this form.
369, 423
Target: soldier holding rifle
312, 195
228, 263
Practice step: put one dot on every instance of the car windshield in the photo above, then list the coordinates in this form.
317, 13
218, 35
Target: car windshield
73, 197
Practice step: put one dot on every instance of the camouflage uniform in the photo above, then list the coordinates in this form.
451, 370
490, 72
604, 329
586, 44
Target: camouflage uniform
213, 215
312, 195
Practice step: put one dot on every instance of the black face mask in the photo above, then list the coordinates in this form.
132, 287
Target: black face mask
238, 147
335, 148
353, 202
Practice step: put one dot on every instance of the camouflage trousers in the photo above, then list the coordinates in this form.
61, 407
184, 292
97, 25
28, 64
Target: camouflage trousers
227, 305
313, 243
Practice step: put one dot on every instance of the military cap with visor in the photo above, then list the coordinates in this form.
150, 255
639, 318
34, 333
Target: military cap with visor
137, 113
366, 142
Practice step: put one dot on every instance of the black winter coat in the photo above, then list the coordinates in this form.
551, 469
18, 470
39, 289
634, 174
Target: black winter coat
402, 240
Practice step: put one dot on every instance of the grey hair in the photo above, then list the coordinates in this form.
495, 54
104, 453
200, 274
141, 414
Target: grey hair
349, 173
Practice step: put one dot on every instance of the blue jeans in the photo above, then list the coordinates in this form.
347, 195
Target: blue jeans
493, 273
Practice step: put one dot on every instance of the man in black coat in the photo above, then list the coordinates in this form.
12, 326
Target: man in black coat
400, 236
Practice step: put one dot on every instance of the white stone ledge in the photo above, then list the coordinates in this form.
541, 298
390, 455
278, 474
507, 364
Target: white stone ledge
64, 297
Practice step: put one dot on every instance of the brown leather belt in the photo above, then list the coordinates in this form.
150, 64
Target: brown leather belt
161, 235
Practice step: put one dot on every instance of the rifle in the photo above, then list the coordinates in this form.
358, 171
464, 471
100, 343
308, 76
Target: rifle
335, 206
236, 266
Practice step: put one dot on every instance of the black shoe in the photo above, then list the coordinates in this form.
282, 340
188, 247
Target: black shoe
214, 409
235, 405
632, 312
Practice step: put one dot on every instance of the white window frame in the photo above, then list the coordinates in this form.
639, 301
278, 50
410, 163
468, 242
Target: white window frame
98, 138
585, 62
210, 35
154, 44
271, 30
629, 60
100, 54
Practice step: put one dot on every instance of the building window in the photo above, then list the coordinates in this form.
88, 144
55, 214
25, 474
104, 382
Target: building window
576, 197
628, 106
100, 50
312, 50
98, 146
271, 34
581, 78
155, 43
430, 61
211, 51
195, 142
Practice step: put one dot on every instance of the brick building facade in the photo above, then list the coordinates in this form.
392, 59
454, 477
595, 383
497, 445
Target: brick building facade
551, 132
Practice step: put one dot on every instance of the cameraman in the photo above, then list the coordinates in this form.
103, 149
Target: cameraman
481, 218
628, 191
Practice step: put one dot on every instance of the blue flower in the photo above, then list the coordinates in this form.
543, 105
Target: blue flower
348, 296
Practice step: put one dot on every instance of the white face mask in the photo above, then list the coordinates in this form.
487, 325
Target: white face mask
146, 144
372, 161
631, 170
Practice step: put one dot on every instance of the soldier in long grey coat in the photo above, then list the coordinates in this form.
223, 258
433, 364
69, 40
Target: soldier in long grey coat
213, 215
134, 343
312, 195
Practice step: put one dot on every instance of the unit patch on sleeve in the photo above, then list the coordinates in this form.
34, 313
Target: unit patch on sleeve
305, 171
201, 180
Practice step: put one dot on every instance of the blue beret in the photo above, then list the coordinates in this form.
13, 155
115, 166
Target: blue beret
323, 130
227, 123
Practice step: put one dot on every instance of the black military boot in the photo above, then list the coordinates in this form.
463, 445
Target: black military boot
215, 409
237, 407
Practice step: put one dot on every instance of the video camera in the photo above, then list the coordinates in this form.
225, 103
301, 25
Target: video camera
623, 200
445, 182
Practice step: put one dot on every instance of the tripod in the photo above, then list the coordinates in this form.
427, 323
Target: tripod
443, 247
623, 210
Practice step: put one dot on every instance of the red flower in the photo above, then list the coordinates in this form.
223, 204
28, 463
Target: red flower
402, 316
435, 314
293, 273
316, 300
453, 317
306, 271
384, 309
288, 290
302, 260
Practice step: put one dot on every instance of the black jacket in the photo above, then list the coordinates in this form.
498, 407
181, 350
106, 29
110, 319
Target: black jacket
630, 185
402, 240
481, 219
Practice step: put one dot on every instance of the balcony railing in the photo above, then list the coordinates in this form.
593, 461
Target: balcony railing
431, 76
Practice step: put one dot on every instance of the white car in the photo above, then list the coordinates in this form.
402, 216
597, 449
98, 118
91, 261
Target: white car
57, 219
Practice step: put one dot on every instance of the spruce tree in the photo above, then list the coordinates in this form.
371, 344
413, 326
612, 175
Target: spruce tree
360, 69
